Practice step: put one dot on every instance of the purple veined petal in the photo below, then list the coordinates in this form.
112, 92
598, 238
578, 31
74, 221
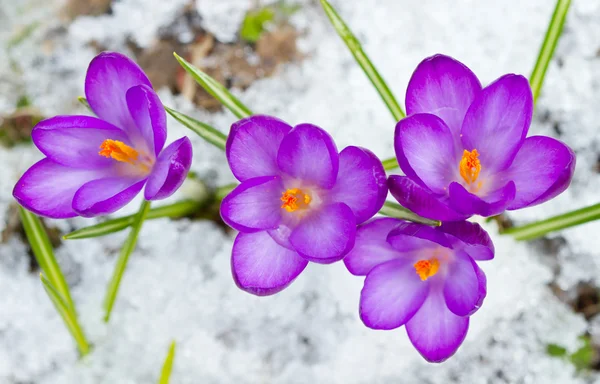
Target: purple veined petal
361, 183
482, 285
461, 288
254, 205
104, 196
47, 188
252, 146
74, 141
542, 169
371, 247
326, 235
309, 154
108, 78
170, 170
435, 331
495, 202
497, 122
392, 294
443, 87
421, 200
425, 150
149, 116
469, 237
408, 237
261, 266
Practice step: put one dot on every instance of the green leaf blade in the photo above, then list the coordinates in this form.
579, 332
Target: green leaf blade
178, 209
68, 315
555, 223
397, 211
216, 89
364, 61
165, 375
126, 250
205, 131
548, 46
43, 252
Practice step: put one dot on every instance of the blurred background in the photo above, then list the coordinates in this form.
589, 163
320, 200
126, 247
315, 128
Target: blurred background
539, 322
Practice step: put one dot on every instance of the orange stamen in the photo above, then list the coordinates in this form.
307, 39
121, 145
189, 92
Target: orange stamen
118, 151
427, 268
294, 199
470, 166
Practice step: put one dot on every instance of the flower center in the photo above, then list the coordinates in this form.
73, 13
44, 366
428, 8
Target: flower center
470, 166
294, 199
427, 268
118, 151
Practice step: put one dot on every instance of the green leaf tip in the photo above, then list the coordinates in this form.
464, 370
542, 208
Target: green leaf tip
168, 365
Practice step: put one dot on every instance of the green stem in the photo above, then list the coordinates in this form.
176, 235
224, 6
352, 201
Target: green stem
540, 228
128, 247
399, 212
548, 46
364, 61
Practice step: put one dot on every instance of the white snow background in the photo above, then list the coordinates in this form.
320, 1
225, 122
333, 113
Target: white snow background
178, 283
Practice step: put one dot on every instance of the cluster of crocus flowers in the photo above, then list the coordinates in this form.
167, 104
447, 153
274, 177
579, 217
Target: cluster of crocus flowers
464, 149
95, 166
299, 200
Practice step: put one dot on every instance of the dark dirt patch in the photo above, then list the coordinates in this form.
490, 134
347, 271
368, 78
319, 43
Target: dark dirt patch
16, 128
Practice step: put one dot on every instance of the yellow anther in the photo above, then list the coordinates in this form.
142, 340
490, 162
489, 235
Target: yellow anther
470, 166
427, 268
118, 151
294, 199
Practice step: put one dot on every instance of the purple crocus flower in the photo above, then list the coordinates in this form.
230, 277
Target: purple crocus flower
94, 166
422, 277
464, 149
298, 201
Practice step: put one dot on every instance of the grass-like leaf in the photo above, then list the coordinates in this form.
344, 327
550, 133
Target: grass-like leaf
540, 228
168, 365
548, 46
205, 131
399, 212
67, 312
216, 89
42, 250
390, 164
363, 60
54, 282
85, 103
126, 250
178, 209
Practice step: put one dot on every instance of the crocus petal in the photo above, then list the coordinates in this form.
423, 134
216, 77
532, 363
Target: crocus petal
108, 78
170, 170
409, 237
104, 196
469, 237
371, 247
482, 285
497, 122
361, 183
425, 150
444, 87
74, 141
421, 200
262, 267
435, 331
327, 235
542, 169
149, 116
252, 146
461, 288
392, 294
254, 205
495, 202
309, 154
47, 188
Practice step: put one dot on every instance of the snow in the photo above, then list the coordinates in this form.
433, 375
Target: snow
178, 284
